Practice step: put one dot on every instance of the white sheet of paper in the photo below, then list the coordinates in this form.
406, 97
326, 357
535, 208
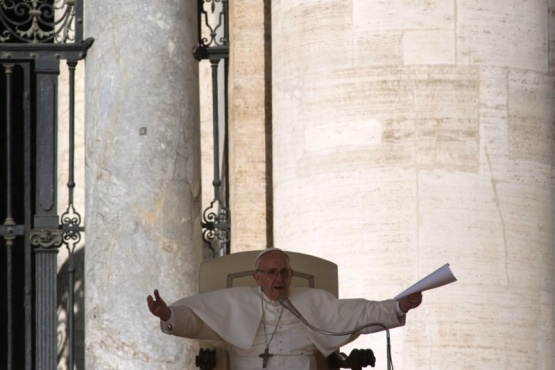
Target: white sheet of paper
441, 276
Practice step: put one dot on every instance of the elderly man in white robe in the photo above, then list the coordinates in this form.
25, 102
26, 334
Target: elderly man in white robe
256, 330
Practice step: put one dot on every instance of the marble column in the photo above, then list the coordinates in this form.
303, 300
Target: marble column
142, 179
408, 135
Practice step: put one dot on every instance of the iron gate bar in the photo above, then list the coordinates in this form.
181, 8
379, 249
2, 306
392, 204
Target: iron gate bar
45, 235
28, 257
71, 220
34, 14
216, 218
45, 51
71, 185
46, 75
9, 222
35, 41
14, 229
44, 343
223, 21
70, 310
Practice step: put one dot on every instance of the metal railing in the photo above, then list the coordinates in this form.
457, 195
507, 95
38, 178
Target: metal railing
35, 36
214, 46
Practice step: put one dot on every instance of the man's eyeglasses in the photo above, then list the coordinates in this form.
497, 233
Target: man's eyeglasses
273, 273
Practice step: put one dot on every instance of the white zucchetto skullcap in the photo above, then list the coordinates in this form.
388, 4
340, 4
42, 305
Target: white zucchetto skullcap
267, 250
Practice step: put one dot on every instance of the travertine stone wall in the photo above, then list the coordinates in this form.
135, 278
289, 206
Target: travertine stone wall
407, 135
250, 125
143, 179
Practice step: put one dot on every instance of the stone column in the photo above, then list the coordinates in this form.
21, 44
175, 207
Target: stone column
143, 179
408, 135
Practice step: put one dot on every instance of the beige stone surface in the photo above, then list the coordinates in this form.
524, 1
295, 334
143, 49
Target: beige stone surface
390, 137
439, 47
425, 138
503, 33
250, 117
531, 99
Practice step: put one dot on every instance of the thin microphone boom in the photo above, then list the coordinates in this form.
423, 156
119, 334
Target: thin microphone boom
285, 302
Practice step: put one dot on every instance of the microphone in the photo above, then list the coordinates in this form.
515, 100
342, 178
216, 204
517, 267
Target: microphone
286, 303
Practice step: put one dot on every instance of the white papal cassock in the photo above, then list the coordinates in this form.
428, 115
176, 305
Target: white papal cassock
232, 319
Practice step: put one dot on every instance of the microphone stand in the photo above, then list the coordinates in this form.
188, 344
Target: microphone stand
285, 302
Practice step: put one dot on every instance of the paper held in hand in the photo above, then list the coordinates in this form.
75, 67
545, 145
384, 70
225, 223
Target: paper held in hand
440, 277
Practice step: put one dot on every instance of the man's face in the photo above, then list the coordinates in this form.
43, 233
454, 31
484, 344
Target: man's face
273, 274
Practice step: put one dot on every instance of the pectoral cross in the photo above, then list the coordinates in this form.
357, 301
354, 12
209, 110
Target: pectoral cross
266, 355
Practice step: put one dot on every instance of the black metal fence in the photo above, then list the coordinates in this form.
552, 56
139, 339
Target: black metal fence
41, 322
36, 37
213, 46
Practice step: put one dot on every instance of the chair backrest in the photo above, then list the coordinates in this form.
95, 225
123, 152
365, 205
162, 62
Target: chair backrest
236, 270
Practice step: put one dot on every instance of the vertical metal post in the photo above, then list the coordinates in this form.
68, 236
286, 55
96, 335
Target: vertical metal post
215, 123
215, 47
28, 204
36, 51
46, 233
46, 304
70, 310
46, 72
71, 185
9, 222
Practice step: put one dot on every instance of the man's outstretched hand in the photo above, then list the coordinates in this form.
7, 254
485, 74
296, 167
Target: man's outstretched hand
410, 302
158, 307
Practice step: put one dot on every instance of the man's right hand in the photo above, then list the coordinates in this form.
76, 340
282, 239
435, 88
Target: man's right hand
158, 307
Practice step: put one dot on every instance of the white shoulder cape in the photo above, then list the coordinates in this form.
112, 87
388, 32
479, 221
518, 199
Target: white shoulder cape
235, 314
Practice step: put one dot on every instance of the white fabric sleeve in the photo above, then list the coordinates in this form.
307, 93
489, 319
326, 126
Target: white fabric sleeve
184, 323
167, 326
385, 313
